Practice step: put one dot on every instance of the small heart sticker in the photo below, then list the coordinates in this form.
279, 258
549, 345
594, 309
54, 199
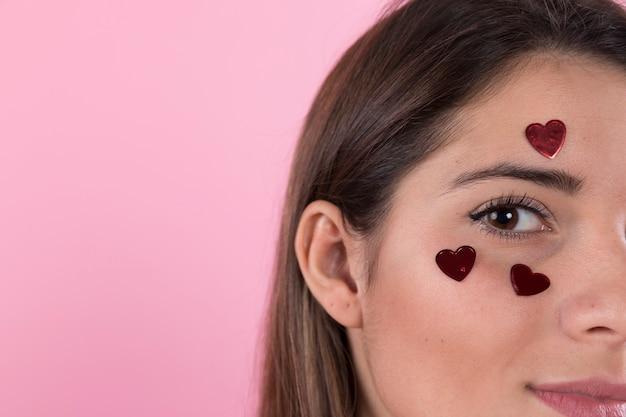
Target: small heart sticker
456, 264
527, 282
547, 140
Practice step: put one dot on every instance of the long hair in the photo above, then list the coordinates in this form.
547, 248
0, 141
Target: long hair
388, 102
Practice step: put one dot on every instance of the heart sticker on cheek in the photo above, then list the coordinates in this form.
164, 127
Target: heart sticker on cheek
527, 282
547, 140
456, 264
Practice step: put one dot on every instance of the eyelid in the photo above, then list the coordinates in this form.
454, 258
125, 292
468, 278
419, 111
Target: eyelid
512, 200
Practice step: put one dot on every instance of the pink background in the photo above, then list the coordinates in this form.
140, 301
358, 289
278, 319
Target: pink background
145, 149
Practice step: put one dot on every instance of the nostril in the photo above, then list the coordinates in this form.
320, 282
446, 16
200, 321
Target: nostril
599, 328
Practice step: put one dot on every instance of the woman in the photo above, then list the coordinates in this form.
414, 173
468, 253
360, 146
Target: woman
454, 232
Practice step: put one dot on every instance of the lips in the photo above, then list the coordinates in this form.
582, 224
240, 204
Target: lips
592, 397
598, 388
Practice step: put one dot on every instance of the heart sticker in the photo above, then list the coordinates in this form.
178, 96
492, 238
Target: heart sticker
456, 264
547, 140
527, 282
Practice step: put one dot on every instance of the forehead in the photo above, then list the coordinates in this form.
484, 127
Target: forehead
588, 96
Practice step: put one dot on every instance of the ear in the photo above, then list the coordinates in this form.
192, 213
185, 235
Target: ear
325, 252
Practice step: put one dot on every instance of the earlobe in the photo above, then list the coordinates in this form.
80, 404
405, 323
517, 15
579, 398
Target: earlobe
323, 251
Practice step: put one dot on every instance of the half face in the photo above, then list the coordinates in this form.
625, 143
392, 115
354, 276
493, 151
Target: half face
432, 346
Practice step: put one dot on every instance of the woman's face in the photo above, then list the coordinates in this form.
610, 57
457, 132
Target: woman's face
431, 346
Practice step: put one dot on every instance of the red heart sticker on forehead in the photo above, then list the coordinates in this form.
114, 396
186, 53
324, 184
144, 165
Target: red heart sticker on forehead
547, 140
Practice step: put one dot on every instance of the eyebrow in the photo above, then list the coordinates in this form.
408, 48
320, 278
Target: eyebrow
551, 178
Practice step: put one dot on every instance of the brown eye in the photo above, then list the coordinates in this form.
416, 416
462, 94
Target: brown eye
514, 218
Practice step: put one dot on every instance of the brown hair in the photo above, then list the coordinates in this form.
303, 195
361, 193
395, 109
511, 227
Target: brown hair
388, 103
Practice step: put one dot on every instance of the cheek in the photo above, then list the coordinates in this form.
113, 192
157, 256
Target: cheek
423, 331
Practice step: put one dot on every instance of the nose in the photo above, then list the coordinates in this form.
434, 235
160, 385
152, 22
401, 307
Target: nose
594, 309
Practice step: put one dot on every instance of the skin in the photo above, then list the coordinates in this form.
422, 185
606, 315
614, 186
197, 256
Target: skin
425, 345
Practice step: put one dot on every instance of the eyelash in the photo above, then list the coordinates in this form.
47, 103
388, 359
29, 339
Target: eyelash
507, 202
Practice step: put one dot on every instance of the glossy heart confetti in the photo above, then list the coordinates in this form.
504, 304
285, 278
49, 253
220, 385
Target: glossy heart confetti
547, 140
527, 282
456, 264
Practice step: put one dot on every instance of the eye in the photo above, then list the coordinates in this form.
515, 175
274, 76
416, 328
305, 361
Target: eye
513, 217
